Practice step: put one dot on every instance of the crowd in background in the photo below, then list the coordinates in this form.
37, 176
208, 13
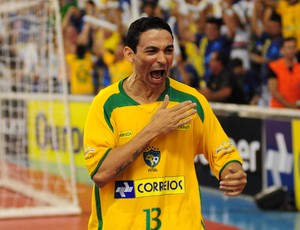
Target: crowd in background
224, 48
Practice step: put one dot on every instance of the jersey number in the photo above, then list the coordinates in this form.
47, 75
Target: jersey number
155, 213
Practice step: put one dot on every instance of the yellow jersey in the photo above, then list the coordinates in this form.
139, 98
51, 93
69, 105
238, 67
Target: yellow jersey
117, 69
290, 18
159, 190
81, 77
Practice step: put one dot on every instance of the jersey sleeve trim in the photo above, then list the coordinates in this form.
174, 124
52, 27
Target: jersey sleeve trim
100, 162
224, 166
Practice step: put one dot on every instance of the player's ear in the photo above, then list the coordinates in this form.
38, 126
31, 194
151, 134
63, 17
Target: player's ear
128, 54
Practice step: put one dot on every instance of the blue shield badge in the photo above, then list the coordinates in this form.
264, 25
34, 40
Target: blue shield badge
152, 158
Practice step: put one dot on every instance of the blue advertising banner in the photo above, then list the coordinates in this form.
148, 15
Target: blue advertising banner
279, 154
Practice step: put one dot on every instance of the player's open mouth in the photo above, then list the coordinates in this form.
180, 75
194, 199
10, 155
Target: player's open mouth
157, 74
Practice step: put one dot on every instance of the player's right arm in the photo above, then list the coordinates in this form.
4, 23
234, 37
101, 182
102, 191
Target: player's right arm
119, 158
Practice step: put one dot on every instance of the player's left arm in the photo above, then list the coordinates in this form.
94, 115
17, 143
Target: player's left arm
233, 179
224, 159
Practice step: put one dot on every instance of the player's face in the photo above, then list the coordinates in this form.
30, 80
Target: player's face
154, 56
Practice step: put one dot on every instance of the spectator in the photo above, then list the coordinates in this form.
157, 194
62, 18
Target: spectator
71, 27
267, 48
284, 77
73, 18
206, 42
222, 85
184, 71
289, 11
80, 66
118, 66
248, 79
268, 41
243, 10
148, 8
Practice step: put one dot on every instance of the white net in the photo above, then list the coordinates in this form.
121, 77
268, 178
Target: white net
37, 173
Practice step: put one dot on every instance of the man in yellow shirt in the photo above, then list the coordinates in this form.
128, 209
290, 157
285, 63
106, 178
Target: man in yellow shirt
80, 65
81, 68
118, 66
290, 17
141, 137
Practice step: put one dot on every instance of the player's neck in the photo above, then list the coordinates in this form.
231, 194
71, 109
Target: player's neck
140, 92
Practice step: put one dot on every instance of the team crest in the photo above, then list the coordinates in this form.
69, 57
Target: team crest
152, 157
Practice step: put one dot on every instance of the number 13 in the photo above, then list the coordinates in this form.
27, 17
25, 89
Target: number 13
155, 218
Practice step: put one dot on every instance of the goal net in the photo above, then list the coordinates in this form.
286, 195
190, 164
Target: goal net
37, 172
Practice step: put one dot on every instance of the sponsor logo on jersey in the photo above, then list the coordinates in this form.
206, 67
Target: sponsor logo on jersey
124, 189
88, 152
160, 186
125, 134
185, 127
225, 147
152, 157
150, 187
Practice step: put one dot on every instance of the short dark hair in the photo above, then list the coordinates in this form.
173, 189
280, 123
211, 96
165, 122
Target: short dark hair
90, 2
142, 25
275, 17
213, 20
222, 57
289, 39
236, 62
152, 3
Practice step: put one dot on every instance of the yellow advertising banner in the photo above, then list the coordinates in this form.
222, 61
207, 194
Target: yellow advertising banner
78, 111
47, 131
296, 150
